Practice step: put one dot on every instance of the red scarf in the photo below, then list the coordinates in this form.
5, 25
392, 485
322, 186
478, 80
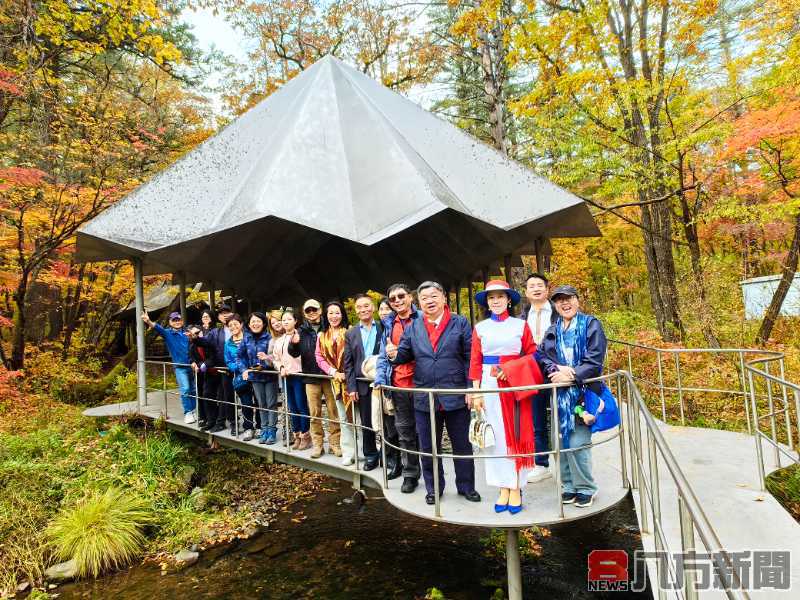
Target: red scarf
435, 332
519, 372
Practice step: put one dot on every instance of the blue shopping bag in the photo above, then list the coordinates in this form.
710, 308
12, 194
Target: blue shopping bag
610, 416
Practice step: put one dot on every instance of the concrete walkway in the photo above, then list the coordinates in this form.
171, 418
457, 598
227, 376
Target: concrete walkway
721, 469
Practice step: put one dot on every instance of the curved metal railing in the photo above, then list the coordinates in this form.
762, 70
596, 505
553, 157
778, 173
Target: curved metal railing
758, 387
640, 457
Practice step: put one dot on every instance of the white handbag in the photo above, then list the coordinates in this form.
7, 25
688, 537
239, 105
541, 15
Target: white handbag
481, 432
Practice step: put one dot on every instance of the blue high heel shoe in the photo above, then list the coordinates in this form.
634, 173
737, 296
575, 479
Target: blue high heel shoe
515, 509
498, 508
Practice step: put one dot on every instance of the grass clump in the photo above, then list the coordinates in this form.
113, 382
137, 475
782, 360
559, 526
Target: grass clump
104, 531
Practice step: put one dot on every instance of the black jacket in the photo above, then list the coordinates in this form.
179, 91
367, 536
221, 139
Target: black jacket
354, 357
214, 343
305, 349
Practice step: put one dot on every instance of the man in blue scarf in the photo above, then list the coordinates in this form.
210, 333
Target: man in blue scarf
572, 351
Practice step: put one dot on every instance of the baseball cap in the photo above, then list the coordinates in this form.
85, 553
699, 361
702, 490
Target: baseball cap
174, 315
564, 290
311, 303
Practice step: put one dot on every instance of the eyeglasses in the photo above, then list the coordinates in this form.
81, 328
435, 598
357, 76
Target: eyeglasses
397, 297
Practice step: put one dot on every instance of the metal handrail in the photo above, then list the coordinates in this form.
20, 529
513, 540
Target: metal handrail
694, 521
751, 370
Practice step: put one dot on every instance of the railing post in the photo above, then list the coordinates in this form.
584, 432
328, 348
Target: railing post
787, 409
383, 442
164, 390
756, 432
196, 402
236, 413
434, 457
772, 421
680, 385
661, 387
555, 434
688, 550
141, 367
356, 426
633, 416
797, 413
622, 433
639, 466
745, 394
655, 498
285, 388
630, 362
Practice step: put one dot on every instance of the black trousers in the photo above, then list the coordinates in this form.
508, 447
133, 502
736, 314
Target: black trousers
457, 422
369, 446
202, 405
406, 428
367, 435
219, 386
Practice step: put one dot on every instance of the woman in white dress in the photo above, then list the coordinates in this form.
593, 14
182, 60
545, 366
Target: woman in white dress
497, 340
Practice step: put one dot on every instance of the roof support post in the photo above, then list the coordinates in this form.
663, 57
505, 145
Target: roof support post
537, 244
182, 294
141, 371
211, 294
485, 275
507, 269
471, 304
457, 287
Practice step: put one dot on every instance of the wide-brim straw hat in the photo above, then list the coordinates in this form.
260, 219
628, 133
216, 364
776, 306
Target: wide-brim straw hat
497, 285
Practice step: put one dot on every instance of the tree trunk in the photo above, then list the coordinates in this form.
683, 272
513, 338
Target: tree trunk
789, 269
495, 73
20, 322
72, 311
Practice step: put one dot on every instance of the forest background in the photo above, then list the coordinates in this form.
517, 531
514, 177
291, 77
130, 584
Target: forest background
678, 122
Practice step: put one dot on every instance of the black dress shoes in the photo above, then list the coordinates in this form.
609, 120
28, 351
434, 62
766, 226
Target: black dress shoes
472, 496
395, 470
409, 485
430, 499
371, 463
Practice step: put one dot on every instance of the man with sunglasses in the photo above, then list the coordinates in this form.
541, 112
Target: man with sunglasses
303, 345
402, 376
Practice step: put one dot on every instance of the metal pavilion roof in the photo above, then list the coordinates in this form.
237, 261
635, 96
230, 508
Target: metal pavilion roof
332, 184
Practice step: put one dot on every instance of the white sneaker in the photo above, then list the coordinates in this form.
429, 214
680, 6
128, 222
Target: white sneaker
189, 417
347, 461
248, 435
539, 473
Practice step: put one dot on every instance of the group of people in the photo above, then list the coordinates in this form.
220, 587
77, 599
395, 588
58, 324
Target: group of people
408, 346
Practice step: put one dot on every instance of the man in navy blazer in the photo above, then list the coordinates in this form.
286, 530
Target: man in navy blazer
361, 341
440, 344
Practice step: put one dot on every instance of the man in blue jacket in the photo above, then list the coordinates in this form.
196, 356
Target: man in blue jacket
177, 341
440, 344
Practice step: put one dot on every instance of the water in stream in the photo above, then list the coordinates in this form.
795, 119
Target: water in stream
345, 551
